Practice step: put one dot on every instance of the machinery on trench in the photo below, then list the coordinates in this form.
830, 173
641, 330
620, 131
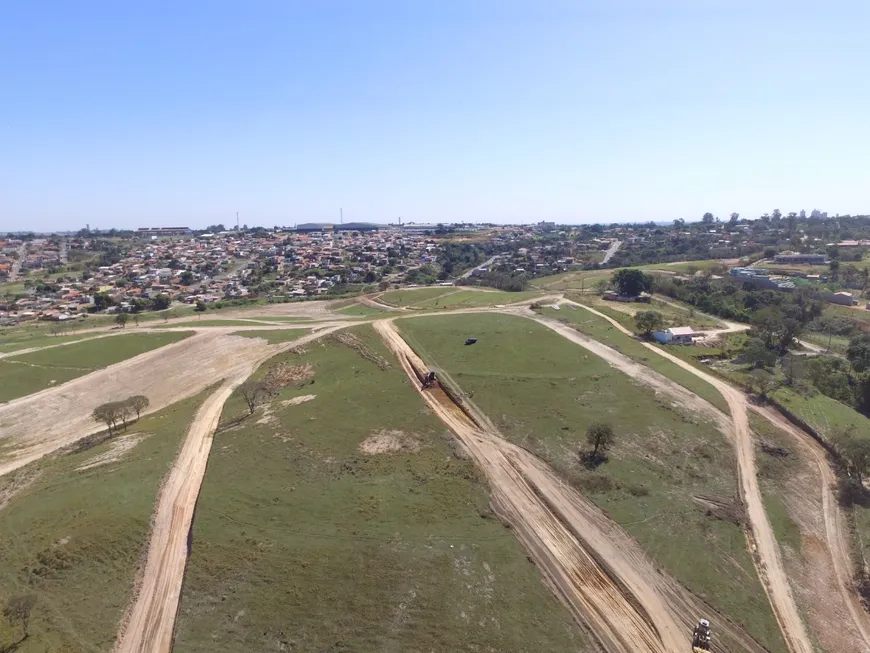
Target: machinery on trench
429, 380
702, 637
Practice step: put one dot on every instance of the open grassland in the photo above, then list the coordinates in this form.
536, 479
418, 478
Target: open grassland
838, 344
673, 315
359, 310
408, 296
74, 533
604, 332
213, 323
577, 280
475, 298
29, 373
348, 522
664, 473
24, 340
826, 415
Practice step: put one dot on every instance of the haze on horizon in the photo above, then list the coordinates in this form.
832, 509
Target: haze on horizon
576, 112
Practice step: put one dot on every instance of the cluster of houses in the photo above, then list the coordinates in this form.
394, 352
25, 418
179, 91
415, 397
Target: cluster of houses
210, 267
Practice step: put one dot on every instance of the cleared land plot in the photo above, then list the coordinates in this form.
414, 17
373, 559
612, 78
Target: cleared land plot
474, 298
29, 373
207, 323
673, 315
543, 391
36, 425
346, 522
74, 535
604, 332
408, 296
272, 337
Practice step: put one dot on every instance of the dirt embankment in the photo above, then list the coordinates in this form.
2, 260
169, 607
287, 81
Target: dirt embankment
594, 567
766, 552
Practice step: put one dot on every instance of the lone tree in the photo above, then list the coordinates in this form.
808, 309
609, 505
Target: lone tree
252, 392
139, 403
200, 306
631, 283
600, 437
648, 321
18, 609
121, 319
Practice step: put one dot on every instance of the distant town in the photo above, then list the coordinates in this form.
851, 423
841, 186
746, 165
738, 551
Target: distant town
68, 277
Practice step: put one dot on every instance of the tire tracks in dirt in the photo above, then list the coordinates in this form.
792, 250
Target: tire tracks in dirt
766, 552
598, 571
151, 622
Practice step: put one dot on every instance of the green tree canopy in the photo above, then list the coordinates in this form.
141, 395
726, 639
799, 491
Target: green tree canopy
632, 282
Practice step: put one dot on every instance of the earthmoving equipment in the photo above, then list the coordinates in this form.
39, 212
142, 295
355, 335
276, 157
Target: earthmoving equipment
702, 637
471, 341
429, 380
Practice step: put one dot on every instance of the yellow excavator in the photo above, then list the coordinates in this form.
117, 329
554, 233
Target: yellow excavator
702, 637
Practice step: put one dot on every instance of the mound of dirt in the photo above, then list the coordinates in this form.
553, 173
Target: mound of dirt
389, 442
295, 401
282, 375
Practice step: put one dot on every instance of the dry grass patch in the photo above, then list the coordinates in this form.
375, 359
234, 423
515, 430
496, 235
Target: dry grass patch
390, 441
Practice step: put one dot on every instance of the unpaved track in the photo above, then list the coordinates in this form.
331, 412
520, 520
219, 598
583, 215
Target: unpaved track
593, 565
531, 500
46, 421
767, 553
152, 618
832, 517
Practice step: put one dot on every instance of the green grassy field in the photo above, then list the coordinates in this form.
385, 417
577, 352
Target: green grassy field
210, 323
74, 538
577, 280
473, 298
273, 337
305, 543
29, 373
837, 344
828, 416
604, 332
408, 296
543, 391
360, 310
37, 339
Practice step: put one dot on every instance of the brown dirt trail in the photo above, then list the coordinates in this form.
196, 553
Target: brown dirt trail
151, 620
767, 553
594, 567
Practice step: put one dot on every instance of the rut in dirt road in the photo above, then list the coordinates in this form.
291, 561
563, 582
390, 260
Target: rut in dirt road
151, 622
602, 575
767, 557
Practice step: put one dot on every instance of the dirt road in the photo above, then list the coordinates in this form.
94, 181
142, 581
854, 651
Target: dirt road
38, 424
152, 618
767, 553
599, 572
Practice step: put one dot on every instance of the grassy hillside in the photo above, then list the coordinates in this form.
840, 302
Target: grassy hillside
29, 373
74, 537
305, 542
543, 391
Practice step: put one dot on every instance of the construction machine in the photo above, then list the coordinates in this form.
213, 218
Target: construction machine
428, 380
702, 637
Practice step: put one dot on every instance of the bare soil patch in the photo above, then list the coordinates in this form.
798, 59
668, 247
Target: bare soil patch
389, 442
117, 449
295, 401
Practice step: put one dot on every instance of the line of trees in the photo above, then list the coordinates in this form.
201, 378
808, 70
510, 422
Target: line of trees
122, 411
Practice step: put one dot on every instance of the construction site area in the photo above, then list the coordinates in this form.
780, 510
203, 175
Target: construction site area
429, 469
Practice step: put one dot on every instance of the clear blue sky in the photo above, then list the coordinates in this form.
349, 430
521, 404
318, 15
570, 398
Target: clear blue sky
151, 112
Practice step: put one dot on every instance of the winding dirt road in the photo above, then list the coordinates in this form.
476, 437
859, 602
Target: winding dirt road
596, 568
767, 555
152, 618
